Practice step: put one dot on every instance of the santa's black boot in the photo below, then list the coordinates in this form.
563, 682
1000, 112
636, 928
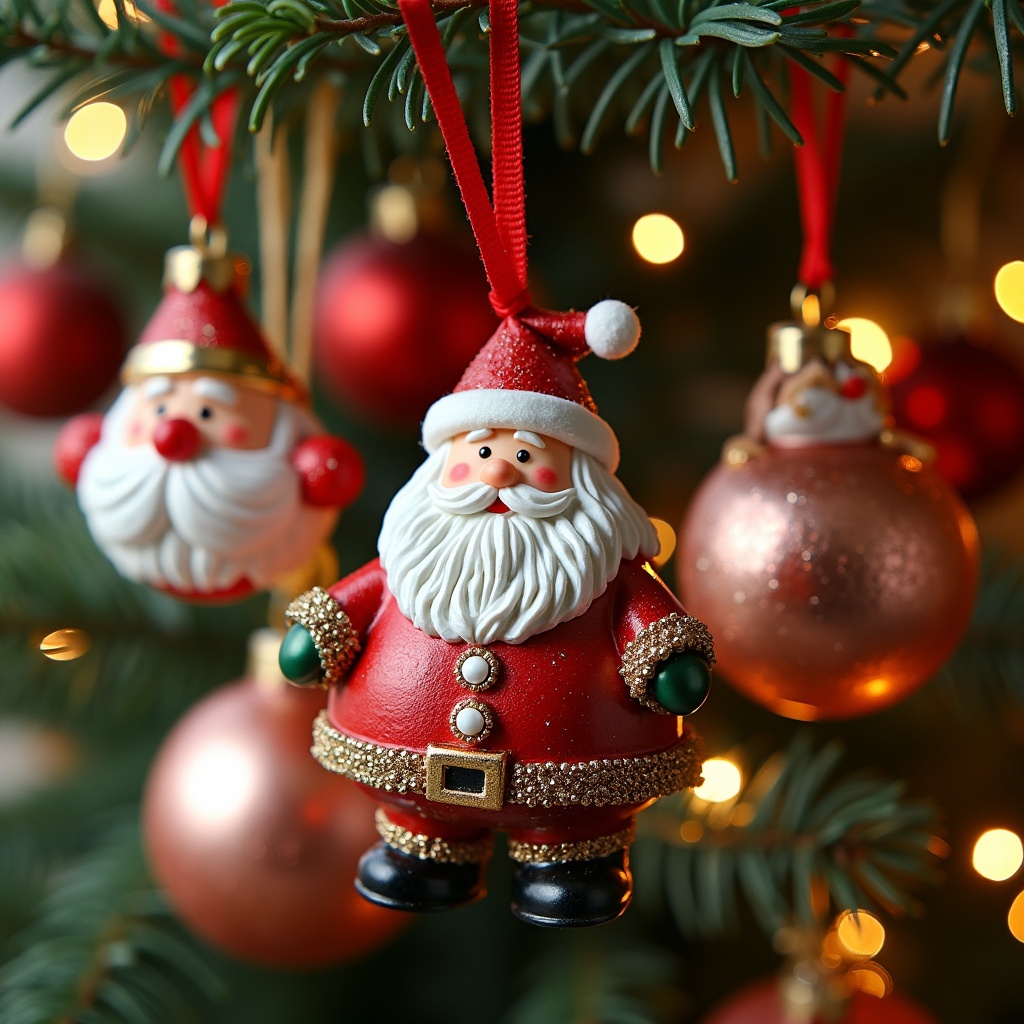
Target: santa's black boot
572, 894
404, 881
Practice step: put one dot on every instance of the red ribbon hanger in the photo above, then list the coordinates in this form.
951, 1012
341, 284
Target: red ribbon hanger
500, 229
204, 169
817, 172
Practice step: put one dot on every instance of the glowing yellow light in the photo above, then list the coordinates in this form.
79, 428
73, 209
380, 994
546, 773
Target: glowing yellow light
869, 342
667, 540
657, 238
691, 831
860, 934
722, 781
65, 644
96, 131
871, 979
107, 11
1010, 289
876, 687
998, 854
742, 815
1015, 919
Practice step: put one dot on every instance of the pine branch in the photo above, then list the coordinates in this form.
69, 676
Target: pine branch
105, 950
801, 843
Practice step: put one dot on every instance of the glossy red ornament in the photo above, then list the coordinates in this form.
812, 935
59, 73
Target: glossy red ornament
836, 579
73, 442
330, 470
253, 842
967, 399
760, 1003
61, 339
397, 323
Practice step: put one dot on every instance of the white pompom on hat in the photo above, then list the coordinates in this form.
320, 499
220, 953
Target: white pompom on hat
525, 378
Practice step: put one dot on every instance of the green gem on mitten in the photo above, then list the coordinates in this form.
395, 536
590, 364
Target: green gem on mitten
299, 658
682, 683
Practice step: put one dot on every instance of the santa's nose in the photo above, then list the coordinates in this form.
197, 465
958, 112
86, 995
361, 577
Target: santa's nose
176, 440
499, 473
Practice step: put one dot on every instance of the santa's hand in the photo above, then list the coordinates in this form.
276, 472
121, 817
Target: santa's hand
330, 471
74, 441
681, 683
299, 659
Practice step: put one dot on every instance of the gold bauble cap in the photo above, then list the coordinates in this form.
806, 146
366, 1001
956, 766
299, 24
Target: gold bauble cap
792, 344
207, 259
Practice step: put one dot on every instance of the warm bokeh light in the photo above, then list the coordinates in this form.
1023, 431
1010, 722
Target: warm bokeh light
722, 781
667, 540
871, 979
1015, 919
869, 342
998, 854
657, 238
859, 933
219, 785
65, 644
96, 131
107, 10
691, 831
1009, 287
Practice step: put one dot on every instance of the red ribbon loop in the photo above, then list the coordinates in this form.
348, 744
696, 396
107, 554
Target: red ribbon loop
817, 172
500, 230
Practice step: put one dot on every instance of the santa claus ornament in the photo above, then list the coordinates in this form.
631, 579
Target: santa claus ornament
836, 568
511, 661
208, 477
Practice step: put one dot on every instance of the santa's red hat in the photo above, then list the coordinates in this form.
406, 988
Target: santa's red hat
525, 378
202, 326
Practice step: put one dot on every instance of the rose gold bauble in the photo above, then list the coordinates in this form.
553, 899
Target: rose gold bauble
835, 579
760, 1003
253, 842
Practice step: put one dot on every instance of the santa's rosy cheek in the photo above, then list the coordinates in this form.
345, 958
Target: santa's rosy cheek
236, 434
545, 477
459, 471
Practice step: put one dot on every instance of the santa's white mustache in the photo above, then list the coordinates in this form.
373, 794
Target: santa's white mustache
521, 499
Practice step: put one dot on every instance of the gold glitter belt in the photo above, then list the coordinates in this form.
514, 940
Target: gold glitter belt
601, 783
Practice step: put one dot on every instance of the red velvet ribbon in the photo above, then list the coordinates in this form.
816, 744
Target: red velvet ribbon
204, 169
500, 229
817, 171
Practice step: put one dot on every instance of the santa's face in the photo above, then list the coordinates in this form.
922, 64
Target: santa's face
217, 413
505, 458
173, 507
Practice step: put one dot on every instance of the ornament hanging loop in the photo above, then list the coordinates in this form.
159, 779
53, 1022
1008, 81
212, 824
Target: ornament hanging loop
812, 306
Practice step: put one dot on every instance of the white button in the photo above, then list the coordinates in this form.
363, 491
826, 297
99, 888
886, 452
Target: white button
470, 721
475, 670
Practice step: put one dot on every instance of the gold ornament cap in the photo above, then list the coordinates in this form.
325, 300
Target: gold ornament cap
792, 345
205, 259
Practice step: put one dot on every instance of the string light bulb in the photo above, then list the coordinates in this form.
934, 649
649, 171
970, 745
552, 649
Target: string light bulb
95, 131
657, 238
666, 540
722, 781
1009, 289
1015, 918
998, 854
868, 341
860, 934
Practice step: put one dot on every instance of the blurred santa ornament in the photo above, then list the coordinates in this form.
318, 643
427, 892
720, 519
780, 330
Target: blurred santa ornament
61, 334
835, 567
400, 311
966, 398
253, 843
208, 477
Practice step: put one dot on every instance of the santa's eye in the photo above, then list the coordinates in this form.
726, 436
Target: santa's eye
485, 452
523, 455
161, 409
205, 413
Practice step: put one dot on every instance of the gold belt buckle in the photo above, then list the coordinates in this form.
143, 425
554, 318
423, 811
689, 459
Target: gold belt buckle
467, 778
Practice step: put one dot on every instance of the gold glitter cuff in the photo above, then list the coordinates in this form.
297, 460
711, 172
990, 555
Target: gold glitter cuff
335, 638
446, 851
602, 783
582, 849
673, 634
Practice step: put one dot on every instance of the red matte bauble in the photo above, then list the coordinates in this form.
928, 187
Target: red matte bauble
396, 324
61, 339
256, 845
761, 1004
835, 579
967, 399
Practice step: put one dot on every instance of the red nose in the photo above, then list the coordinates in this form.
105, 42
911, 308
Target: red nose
853, 387
176, 440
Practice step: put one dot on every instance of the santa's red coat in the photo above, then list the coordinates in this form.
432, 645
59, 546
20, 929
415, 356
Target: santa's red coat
558, 697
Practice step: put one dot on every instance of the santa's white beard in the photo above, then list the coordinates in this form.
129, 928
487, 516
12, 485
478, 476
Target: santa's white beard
204, 524
462, 573
828, 418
